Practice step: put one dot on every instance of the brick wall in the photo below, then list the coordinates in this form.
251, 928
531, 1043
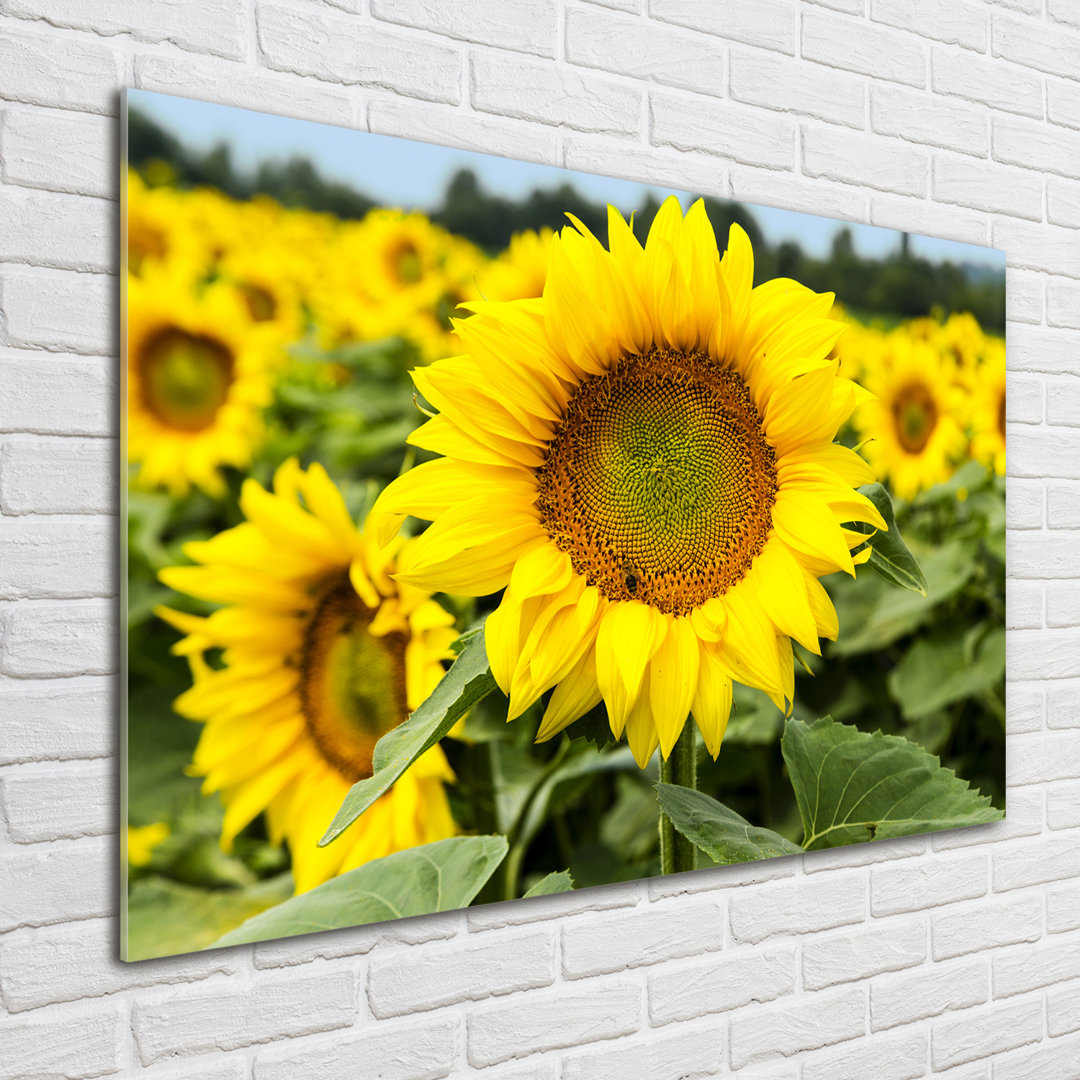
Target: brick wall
956, 956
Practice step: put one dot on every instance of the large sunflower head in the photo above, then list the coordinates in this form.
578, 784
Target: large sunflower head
644, 459
914, 437
322, 654
198, 376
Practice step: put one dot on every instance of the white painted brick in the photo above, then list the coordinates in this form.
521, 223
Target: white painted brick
551, 1021
87, 79
1063, 806
1062, 202
1063, 11
538, 1069
55, 883
1024, 398
1035, 759
927, 118
1023, 301
912, 885
851, 7
72, 232
243, 86
78, 962
633, 6
230, 1015
1053, 1059
1035, 146
522, 25
1063, 306
345, 50
725, 981
815, 1020
996, 189
986, 82
1063, 604
865, 160
415, 1050
798, 907
1024, 968
1057, 445
1063, 1009
593, 945
1063, 103
769, 24
981, 1032
202, 1069
1036, 862
886, 1057
974, 927
699, 173
452, 127
46, 802
51, 394
82, 1042
58, 476
1024, 605
927, 991
1023, 503
1036, 45
1024, 709
553, 95
1063, 706
57, 719
1036, 654
1041, 247
845, 957
44, 639
61, 310
645, 51
1063, 908
1063, 506
1028, 7
214, 26
61, 151
776, 82
826, 859
494, 916
743, 135
797, 192
955, 23
863, 48
681, 1055
56, 559
423, 978
922, 216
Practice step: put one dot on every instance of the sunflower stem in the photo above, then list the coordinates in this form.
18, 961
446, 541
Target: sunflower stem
676, 852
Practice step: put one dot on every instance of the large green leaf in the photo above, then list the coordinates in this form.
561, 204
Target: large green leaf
939, 670
723, 835
889, 555
558, 881
853, 786
436, 877
467, 682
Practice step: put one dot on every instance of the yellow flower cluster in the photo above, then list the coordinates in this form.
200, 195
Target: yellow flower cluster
939, 387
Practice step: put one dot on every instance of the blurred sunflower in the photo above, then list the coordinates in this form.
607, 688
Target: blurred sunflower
644, 458
198, 375
520, 271
158, 230
323, 654
988, 406
914, 437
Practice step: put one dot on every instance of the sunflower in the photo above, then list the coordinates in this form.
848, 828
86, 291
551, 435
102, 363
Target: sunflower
644, 459
988, 406
322, 655
519, 272
198, 376
914, 437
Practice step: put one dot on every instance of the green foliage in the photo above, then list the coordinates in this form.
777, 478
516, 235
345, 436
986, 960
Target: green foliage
435, 877
852, 785
558, 881
714, 828
467, 682
889, 555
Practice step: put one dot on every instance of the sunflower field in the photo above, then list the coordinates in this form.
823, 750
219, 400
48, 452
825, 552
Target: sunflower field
462, 570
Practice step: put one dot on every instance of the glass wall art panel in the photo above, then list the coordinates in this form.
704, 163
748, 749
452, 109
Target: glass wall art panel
495, 530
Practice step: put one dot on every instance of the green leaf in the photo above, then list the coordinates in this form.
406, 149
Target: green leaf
442, 876
939, 670
889, 555
853, 786
556, 882
716, 829
467, 682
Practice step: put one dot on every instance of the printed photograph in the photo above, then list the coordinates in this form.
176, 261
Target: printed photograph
494, 530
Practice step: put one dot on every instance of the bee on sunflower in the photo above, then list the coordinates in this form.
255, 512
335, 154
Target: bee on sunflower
644, 460
322, 654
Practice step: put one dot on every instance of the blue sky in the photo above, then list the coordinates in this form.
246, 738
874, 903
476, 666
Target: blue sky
401, 172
